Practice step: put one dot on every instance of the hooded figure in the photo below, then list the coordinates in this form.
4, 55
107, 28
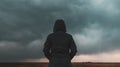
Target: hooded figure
59, 47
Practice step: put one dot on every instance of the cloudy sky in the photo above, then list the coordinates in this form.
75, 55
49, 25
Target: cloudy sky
94, 24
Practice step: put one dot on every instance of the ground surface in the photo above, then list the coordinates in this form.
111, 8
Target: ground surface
36, 64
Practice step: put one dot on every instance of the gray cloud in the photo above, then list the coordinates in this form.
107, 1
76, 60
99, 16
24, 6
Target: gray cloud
24, 25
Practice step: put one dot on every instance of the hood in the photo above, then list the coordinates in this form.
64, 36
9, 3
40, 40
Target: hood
59, 26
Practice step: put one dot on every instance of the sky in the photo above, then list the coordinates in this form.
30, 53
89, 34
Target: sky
94, 25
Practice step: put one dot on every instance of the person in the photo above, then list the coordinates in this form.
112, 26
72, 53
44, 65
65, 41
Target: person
59, 47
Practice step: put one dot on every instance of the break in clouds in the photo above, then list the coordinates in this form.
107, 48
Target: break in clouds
25, 24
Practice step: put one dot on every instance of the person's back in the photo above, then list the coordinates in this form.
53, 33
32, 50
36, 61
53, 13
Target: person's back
59, 47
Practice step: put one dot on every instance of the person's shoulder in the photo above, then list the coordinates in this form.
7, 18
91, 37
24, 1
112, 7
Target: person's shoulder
68, 34
51, 34
65, 33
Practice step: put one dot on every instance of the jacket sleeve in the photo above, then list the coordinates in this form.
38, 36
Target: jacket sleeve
46, 49
73, 48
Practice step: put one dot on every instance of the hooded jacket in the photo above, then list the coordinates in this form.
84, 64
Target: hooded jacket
59, 46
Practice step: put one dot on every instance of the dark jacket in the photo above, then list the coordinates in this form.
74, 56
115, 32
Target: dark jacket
59, 47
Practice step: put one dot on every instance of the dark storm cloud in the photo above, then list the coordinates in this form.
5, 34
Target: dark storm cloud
24, 25
103, 29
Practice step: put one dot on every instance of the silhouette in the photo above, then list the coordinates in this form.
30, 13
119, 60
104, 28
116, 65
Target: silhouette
59, 47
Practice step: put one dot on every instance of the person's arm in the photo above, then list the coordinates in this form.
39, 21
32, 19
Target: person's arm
73, 48
47, 47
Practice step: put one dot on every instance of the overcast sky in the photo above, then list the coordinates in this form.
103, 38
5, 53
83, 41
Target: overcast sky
25, 24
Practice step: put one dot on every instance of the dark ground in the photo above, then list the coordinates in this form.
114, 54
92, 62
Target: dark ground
38, 64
